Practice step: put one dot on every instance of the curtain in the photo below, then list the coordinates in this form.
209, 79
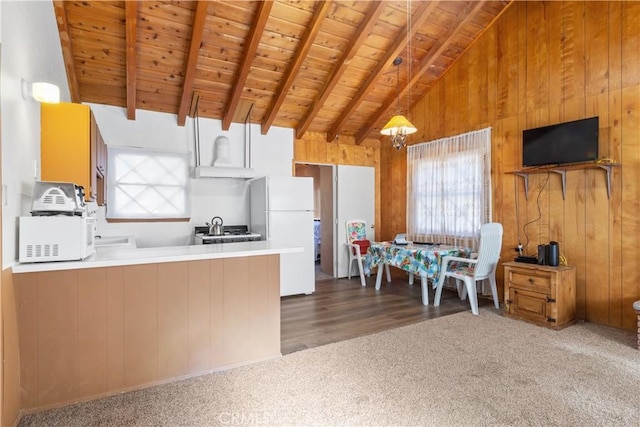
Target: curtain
449, 189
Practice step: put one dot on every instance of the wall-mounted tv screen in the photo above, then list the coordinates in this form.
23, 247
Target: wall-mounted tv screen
562, 143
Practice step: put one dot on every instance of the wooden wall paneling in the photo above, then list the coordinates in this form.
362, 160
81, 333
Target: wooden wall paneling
448, 83
534, 21
555, 24
614, 48
198, 322
574, 49
614, 152
173, 319
597, 35
557, 217
299, 149
272, 278
387, 194
265, 322
506, 65
27, 311
115, 328
140, 324
630, 22
57, 336
490, 48
92, 332
498, 196
477, 89
630, 157
217, 305
237, 310
630, 150
10, 351
461, 95
596, 278
543, 76
597, 217
521, 35
507, 131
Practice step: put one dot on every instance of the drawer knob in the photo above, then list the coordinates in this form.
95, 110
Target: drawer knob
531, 280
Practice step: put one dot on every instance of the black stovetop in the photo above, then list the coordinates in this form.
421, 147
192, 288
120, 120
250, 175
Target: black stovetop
227, 230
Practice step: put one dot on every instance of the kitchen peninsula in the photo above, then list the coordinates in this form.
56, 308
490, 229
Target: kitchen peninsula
132, 318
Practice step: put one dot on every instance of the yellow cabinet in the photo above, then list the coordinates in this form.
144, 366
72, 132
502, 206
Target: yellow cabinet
69, 145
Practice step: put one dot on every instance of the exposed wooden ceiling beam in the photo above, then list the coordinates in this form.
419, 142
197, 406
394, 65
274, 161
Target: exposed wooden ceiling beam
253, 40
362, 33
67, 49
306, 43
422, 12
427, 61
199, 19
131, 20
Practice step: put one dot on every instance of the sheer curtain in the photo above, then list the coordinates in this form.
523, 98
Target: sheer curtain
449, 189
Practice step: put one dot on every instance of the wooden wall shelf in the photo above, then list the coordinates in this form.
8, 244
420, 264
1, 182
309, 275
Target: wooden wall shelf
562, 171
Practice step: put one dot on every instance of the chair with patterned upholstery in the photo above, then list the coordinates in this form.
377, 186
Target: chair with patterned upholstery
357, 244
470, 270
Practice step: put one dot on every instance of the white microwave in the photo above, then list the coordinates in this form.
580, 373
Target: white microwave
56, 238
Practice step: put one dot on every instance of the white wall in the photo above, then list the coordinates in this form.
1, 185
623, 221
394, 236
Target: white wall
271, 154
31, 50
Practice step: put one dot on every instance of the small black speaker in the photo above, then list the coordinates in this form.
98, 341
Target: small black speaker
542, 254
553, 258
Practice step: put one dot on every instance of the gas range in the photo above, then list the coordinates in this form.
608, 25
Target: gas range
230, 233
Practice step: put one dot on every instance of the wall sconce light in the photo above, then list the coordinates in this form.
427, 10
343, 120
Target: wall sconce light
41, 91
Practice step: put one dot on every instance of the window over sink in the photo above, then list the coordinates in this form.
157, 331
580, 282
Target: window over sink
147, 185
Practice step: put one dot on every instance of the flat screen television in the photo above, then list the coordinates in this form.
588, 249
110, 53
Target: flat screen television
562, 143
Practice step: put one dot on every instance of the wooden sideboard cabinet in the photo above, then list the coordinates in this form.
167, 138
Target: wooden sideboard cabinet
540, 294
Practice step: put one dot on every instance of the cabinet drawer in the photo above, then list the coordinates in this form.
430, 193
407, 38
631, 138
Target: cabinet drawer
540, 282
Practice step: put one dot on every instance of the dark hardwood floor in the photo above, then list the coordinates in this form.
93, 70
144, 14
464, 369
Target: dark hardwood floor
341, 309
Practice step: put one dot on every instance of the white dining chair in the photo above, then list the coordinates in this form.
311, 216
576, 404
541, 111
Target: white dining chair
470, 270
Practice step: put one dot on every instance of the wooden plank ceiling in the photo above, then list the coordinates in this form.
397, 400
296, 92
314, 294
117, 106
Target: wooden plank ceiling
317, 66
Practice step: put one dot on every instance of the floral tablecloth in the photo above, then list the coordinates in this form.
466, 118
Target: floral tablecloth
423, 260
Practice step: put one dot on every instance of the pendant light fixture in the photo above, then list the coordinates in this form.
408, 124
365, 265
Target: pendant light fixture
399, 127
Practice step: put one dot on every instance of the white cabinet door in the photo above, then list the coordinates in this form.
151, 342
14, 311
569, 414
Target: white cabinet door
355, 199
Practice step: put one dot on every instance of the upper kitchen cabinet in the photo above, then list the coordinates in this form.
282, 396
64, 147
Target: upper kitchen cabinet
72, 149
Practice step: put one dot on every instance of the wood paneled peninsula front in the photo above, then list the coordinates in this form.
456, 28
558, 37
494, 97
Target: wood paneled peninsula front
133, 318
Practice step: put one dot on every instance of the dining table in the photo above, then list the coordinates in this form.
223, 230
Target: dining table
421, 259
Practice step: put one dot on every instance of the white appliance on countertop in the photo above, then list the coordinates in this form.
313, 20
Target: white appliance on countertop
56, 238
59, 228
282, 211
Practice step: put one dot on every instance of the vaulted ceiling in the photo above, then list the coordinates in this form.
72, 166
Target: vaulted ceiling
314, 66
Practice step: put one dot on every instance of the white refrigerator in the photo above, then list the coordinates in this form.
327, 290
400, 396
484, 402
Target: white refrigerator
282, 211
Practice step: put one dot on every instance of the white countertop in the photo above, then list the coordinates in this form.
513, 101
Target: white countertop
133, 256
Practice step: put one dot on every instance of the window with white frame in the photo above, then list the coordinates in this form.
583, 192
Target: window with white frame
146, 184
449, 189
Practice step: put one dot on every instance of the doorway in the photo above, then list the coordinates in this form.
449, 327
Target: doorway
341, 192
323, 215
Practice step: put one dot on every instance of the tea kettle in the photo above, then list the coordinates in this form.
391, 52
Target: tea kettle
215, 228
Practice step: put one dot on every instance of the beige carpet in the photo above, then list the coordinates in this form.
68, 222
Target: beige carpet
455, 370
